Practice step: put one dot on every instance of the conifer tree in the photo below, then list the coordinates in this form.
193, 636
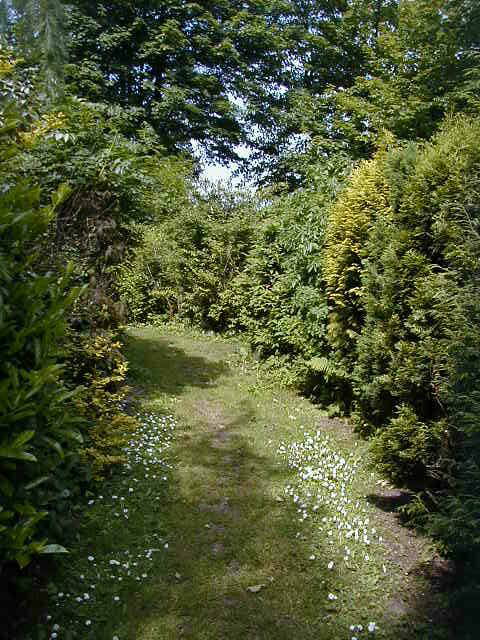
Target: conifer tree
37, 28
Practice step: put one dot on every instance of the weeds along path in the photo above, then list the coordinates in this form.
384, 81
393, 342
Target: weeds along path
250, 515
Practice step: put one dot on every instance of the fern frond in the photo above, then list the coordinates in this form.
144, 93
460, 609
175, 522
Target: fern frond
327, 368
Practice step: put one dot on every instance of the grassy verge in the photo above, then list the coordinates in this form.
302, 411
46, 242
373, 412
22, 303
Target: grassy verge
243, 512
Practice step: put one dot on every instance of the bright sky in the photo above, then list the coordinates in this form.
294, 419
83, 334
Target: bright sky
220, 173
217, 172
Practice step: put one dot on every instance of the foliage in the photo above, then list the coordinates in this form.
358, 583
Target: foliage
361, 281
98, 365
39, 441
37, 28
408, 448
52, 437
114, 181
415, 62
185, 67
415, 349
348, 225
370, 294
185, 261
17, 93
279, 298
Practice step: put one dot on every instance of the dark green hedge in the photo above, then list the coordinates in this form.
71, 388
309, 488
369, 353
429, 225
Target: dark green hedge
38, 435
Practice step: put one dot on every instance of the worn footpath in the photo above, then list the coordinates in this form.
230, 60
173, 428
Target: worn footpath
243, 512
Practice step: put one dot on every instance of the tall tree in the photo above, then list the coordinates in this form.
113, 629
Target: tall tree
216, 72
419, 62
341, 43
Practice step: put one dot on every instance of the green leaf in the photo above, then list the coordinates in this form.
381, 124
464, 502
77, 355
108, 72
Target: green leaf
22, 439
71, 434
54, 548
61, 194
23, 559
54, 444
17, 454
6, 487
5, 515
37, 482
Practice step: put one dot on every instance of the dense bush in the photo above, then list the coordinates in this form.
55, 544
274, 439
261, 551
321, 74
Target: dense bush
279, 300
96, 363
370, 294
39, 439
402, 272
274, 301
117, 175
54, 435
186, 259
349, 222
421, 284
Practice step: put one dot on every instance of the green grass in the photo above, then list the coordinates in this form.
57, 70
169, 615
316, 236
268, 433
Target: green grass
228, 523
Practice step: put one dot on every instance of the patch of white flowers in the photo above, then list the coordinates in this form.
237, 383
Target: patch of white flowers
323, 495
147, 466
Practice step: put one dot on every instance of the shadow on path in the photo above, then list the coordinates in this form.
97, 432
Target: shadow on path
163, 364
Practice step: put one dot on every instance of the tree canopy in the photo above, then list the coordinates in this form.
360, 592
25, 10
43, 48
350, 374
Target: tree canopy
188, 68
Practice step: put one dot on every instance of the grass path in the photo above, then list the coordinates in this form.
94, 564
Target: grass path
250, 515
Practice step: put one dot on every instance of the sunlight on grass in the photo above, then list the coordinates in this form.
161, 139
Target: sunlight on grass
242, 513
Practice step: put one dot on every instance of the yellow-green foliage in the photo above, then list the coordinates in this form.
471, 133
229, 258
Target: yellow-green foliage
46, 126
6, 64
98, 364
350, 219
416, 375
108, 437
409, 446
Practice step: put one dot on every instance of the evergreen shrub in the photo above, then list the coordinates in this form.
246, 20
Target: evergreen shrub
417, 372
39, 435
364, 199
96, 364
